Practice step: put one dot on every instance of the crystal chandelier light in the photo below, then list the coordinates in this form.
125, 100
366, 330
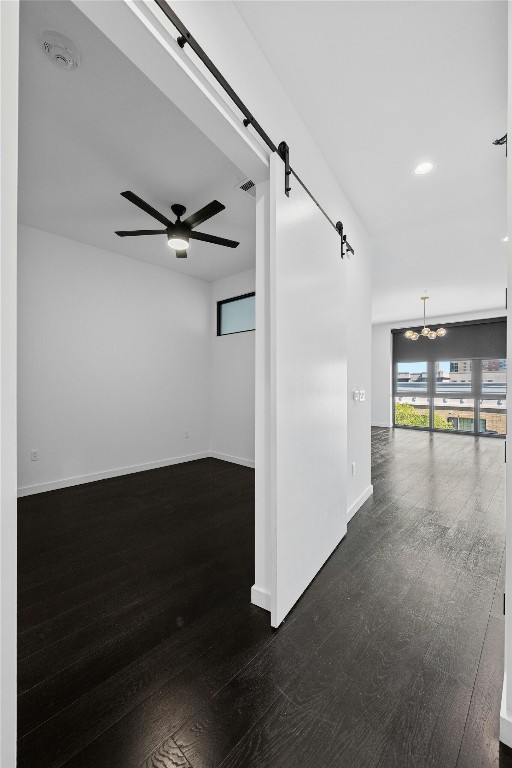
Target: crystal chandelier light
429, 334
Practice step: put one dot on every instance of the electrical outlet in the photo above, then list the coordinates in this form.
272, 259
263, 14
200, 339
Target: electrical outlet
353, 468
34, 455
356, 394
187, 434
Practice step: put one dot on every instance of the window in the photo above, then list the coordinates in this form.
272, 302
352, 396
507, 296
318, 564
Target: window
412, 412
411, 377
467, 395
493, 400
457, 414
460, 383
453, 376
236, 315
494, 377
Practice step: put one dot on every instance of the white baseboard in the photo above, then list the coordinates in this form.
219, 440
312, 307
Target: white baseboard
359, 502
80, 479
232, 459
260, 597
505, 718
381, 424
68, 482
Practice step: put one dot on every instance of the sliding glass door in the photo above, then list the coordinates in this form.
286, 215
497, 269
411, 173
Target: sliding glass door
465, 396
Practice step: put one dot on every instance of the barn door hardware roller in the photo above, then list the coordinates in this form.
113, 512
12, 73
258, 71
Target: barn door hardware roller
185, 37
344, 241
501, 142
284, 153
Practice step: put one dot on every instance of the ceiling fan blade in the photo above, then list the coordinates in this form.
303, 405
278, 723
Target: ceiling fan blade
203, 214
137, 232
213, 239
138, 201
181, 254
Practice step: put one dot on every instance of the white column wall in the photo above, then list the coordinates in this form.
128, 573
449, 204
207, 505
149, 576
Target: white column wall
506, 701
381, 375
359, 377
264, 458
9, 41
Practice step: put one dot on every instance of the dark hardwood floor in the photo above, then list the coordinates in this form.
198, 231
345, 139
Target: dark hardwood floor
139, 648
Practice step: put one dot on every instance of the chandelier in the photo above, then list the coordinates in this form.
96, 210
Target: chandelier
426, 332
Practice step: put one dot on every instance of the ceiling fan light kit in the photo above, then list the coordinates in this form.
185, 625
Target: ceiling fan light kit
426, 332
180, 232
179, 242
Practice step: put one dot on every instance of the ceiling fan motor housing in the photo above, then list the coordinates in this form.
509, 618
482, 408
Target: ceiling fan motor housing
178, 209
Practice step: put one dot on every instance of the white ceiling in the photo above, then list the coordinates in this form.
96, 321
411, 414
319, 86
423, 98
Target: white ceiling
382, 86
89, 134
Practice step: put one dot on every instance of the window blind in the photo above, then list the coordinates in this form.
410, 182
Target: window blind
482, 339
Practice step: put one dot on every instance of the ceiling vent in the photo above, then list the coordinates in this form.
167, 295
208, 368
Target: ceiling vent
60, 50
248, 186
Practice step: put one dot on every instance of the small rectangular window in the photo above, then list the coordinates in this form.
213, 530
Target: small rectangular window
236, 315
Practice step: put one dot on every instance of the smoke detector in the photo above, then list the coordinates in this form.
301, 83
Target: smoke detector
247, 186
60, 50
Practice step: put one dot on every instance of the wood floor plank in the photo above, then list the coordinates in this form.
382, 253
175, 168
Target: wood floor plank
143, 579
480, 743
142, 730
168, 755
428, 726
185, 603
324, 718
128, 614
457, 647
109, 701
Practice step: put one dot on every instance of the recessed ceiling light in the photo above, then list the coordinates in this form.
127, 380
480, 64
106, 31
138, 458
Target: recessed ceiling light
424, 168
504, 239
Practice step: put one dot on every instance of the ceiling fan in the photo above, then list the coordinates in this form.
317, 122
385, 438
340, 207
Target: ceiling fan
180, 232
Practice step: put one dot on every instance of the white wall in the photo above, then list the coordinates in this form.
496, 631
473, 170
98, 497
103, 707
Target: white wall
506, 701
381, 375
9, 37
232, 379
382, 362
359, 376
114, 363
